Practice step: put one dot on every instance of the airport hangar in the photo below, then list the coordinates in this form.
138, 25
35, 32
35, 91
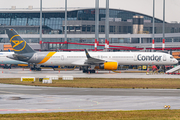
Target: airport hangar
81, 29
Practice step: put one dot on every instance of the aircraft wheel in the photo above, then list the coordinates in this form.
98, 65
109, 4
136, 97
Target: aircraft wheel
38, 69
5, 67
32, 69
85, 71
93, 71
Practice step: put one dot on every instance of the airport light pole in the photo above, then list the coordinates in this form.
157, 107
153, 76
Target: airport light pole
40, 41
96, 23
153, 25
65, 21
163, 45
107, 24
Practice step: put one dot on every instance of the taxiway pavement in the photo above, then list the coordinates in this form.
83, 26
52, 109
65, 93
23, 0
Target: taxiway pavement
19, 72
32, 99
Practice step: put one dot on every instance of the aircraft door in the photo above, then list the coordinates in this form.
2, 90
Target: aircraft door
135, 57
164, 57
35, 56
62, 57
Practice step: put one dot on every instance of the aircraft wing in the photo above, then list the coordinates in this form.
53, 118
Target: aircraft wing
91, 60
80, 63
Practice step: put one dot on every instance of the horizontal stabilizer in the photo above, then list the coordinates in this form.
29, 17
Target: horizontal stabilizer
17, 57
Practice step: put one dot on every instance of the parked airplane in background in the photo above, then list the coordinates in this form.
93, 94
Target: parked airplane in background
95, 60
7, 61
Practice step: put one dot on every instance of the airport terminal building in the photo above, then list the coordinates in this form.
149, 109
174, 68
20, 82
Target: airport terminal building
123, 30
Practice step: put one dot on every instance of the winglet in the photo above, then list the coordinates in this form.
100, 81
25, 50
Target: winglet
87, 54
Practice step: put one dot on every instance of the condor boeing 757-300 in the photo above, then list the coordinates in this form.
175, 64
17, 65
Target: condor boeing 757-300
95, 60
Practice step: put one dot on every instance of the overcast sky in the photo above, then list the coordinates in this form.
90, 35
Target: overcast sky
142, 6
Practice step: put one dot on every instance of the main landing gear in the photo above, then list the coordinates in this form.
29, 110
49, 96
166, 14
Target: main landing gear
87, 70
7, 66
35, 68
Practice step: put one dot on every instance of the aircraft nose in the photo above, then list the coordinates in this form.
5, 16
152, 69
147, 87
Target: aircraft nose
176, 61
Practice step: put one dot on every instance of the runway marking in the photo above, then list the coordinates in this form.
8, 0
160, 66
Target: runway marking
19, 89
7, 92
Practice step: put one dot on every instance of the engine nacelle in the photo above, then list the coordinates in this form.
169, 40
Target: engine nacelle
109, 65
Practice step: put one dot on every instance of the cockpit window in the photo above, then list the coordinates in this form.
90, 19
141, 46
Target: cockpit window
171, 57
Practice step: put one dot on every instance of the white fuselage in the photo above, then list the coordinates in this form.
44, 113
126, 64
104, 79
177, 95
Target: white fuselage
122, 58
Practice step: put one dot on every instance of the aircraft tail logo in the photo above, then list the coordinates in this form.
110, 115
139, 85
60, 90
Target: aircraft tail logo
16, 42
19, 45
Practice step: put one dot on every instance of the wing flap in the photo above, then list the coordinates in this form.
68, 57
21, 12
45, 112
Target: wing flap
80, 63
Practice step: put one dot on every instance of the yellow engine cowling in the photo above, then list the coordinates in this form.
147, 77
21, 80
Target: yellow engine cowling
109, 66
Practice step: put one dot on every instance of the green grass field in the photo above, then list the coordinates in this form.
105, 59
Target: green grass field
115, 115
103, 83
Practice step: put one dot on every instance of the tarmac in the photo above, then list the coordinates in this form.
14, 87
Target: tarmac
34, 99
19, 72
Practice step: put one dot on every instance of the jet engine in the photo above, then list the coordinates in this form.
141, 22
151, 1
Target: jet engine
108, 65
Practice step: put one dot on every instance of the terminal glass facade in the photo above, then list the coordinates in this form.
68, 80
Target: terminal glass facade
54, 20
81, 22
